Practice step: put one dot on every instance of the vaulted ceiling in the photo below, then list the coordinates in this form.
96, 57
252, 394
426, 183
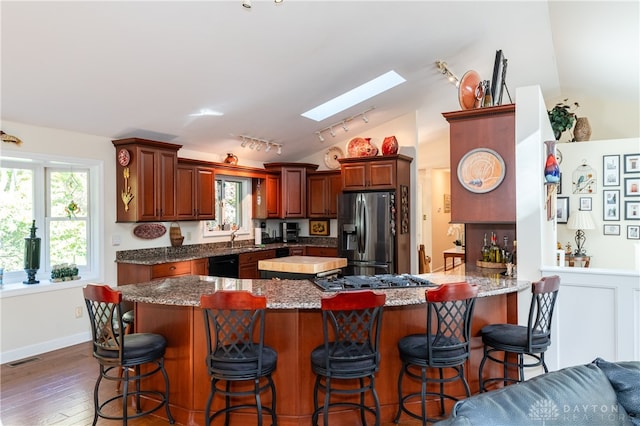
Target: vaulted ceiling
139, 68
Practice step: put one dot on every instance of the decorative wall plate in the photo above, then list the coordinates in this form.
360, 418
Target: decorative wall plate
467, 95
331, 157
149, 231
481, 170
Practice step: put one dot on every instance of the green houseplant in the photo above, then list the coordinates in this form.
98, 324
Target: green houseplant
562, 117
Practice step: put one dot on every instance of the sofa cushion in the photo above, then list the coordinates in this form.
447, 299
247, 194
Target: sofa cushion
579, 395
625, 379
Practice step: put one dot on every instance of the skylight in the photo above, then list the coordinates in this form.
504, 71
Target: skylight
354, 96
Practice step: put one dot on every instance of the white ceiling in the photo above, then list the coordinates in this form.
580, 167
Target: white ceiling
139, 68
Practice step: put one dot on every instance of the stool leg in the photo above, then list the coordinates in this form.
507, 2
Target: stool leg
400, 402
327, 399
376, 400
364, 422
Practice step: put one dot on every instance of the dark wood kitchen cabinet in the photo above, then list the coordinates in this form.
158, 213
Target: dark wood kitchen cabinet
293, 188
322, 194
195, 194
145, 180
492, 128
374, 173
266, 196
130, 273
248, 262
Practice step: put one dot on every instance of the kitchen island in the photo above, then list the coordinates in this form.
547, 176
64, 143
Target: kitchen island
293, 327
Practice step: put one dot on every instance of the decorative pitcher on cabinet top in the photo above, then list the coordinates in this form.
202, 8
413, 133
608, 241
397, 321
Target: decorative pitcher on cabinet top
551, 167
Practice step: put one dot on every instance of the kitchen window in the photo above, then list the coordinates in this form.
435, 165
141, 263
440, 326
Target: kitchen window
60, 197
233, 207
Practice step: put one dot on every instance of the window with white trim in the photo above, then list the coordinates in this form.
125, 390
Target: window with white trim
233, 206
60, 197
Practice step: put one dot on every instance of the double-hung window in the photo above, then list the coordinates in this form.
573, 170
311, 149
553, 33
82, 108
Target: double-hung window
62, 197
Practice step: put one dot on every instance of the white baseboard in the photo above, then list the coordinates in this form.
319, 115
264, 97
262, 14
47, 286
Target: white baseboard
40, 348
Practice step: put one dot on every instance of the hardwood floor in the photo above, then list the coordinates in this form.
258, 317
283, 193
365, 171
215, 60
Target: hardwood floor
56, 388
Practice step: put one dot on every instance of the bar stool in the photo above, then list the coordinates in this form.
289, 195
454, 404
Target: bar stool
121, 354
443, 344
532, 340
351, 327
230, 320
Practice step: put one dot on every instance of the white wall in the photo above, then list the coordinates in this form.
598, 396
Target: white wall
598, 245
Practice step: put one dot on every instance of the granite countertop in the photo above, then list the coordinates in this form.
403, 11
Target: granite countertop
161, 255
298, 294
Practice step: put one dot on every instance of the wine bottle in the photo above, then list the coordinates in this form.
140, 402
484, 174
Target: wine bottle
485, 250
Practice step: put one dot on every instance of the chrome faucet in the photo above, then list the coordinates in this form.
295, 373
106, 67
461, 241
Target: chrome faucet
233, 237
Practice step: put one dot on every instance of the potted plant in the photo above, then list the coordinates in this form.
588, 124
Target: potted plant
562, 117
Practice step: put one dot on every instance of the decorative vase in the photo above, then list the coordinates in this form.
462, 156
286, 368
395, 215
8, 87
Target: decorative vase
32, 256
231, 159
390, 146
551, 167
582, 130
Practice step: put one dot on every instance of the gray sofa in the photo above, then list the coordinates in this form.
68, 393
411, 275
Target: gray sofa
601, 393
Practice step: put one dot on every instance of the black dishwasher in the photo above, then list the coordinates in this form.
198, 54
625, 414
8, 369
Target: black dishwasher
224, 266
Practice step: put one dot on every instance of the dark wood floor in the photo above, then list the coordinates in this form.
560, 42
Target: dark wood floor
56, 388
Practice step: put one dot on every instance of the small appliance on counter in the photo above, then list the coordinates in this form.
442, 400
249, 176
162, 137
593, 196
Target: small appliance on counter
290, 232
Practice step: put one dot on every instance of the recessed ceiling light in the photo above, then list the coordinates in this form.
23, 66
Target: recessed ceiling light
355, 96
206, 112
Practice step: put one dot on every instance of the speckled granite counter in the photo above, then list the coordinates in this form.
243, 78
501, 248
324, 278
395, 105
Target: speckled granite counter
293, 327
155, 256
296, 294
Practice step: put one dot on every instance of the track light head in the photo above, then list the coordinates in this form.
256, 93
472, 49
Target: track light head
279, 149
364, 118
246, 4
244, 142
320, 136
332, 132
268, 148
344, 127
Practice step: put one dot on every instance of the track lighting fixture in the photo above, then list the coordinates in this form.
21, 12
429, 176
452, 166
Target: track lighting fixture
444, 69
247, 3
258, 144
343, 124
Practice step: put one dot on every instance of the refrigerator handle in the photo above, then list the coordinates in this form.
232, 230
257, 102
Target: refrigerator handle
359, 223
364, 233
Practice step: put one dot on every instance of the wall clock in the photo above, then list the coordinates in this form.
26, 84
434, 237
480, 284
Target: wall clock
331, 157
481, 170
124, 157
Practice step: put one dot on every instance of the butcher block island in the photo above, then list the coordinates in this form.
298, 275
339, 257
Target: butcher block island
301, 267
293, 327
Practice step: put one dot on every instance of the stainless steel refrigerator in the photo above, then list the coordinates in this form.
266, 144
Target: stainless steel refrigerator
366, 231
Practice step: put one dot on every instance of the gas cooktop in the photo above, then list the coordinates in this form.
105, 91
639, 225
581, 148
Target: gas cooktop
371, 282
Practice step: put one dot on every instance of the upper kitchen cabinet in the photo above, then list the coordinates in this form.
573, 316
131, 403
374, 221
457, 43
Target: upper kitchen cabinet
145, 180
195, 195
293, 188
482, 154
322, 193
266, 196
374, 173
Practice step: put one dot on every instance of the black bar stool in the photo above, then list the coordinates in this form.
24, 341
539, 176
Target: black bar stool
119, 354
444, 344
231, 319
351, 326
532, 340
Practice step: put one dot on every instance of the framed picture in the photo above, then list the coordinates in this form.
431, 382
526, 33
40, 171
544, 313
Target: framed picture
585, 203
497, 82
447, 203
611, 230
319, 227
562, 209
560, 184
633, 232
611, 204
610, 170
632, 187
632, 210
632, 163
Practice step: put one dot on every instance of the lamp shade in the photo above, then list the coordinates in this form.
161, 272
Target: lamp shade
580, 219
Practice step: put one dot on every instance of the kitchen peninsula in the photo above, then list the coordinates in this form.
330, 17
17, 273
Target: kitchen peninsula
293, 327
